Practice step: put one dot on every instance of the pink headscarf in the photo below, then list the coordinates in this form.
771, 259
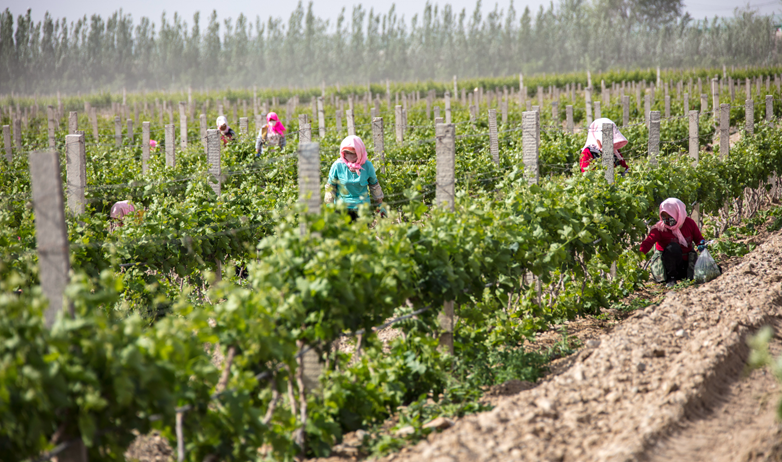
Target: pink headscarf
278, 127
122, 208
152, 145
677, 210
354, 142
595, 134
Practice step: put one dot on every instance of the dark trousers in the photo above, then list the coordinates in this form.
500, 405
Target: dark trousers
676, 267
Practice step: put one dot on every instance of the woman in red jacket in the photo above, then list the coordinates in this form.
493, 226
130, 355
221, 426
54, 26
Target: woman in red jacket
593, 148
675, 238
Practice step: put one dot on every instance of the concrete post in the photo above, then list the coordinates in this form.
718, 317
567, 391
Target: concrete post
531, 145
18, 134
447, 97
51, 126
379, 140
76, 171
654, 137
7, 140
351, 122
170, 145
494, 144
94, 120
694, 135
749, 116
569, 118
399, 124
309, 178
770, 110
715, 95
321, 119
694, 155
305, 133
608, 152
445, 146
213, 148
638, 97
73, 122
117, 132
183, 125
202, 129
51, 233
144, 147
588, 98
724, 130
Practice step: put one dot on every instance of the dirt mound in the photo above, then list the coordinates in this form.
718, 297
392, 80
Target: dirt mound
663, 372
149, 448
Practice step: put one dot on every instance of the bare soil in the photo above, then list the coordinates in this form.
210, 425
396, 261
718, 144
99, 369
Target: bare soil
668, 383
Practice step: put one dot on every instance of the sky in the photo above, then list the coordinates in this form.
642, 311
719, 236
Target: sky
328, 9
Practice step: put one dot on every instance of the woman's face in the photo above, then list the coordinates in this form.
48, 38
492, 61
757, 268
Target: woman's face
223, 127
272, 122
350, 154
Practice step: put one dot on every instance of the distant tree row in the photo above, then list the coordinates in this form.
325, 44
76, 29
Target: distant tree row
95, 53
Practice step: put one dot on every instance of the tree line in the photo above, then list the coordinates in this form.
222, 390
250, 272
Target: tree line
94, 53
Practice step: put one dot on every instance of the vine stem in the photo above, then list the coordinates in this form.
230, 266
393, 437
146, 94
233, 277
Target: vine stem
291, 396
272, 404
180, 437
303, 402
226, 371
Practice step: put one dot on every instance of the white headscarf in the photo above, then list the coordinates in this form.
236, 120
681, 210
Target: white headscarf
595, 134
222, 121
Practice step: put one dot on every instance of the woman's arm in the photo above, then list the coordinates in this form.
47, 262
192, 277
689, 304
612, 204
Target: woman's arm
259, 140
332, 183
649, 242
586, 159
697, 236
377, 192
374, 184
331, 193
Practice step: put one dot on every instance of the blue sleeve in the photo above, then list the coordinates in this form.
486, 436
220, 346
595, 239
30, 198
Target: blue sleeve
333, 174
371, 175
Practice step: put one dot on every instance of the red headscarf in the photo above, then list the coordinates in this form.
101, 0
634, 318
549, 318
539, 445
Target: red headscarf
122, 208
354, 142
278, 127
677, 210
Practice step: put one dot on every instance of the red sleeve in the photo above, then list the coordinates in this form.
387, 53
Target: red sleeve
624, 164
586, 158
649, 242
697, 237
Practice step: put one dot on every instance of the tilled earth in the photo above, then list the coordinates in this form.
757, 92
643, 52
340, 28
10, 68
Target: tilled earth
668, 383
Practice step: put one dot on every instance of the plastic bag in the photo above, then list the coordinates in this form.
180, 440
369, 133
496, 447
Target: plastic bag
706, 268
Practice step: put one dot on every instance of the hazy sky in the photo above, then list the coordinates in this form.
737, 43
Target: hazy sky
73, 9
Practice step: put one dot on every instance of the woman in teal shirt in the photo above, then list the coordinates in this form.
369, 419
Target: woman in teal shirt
352, 177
